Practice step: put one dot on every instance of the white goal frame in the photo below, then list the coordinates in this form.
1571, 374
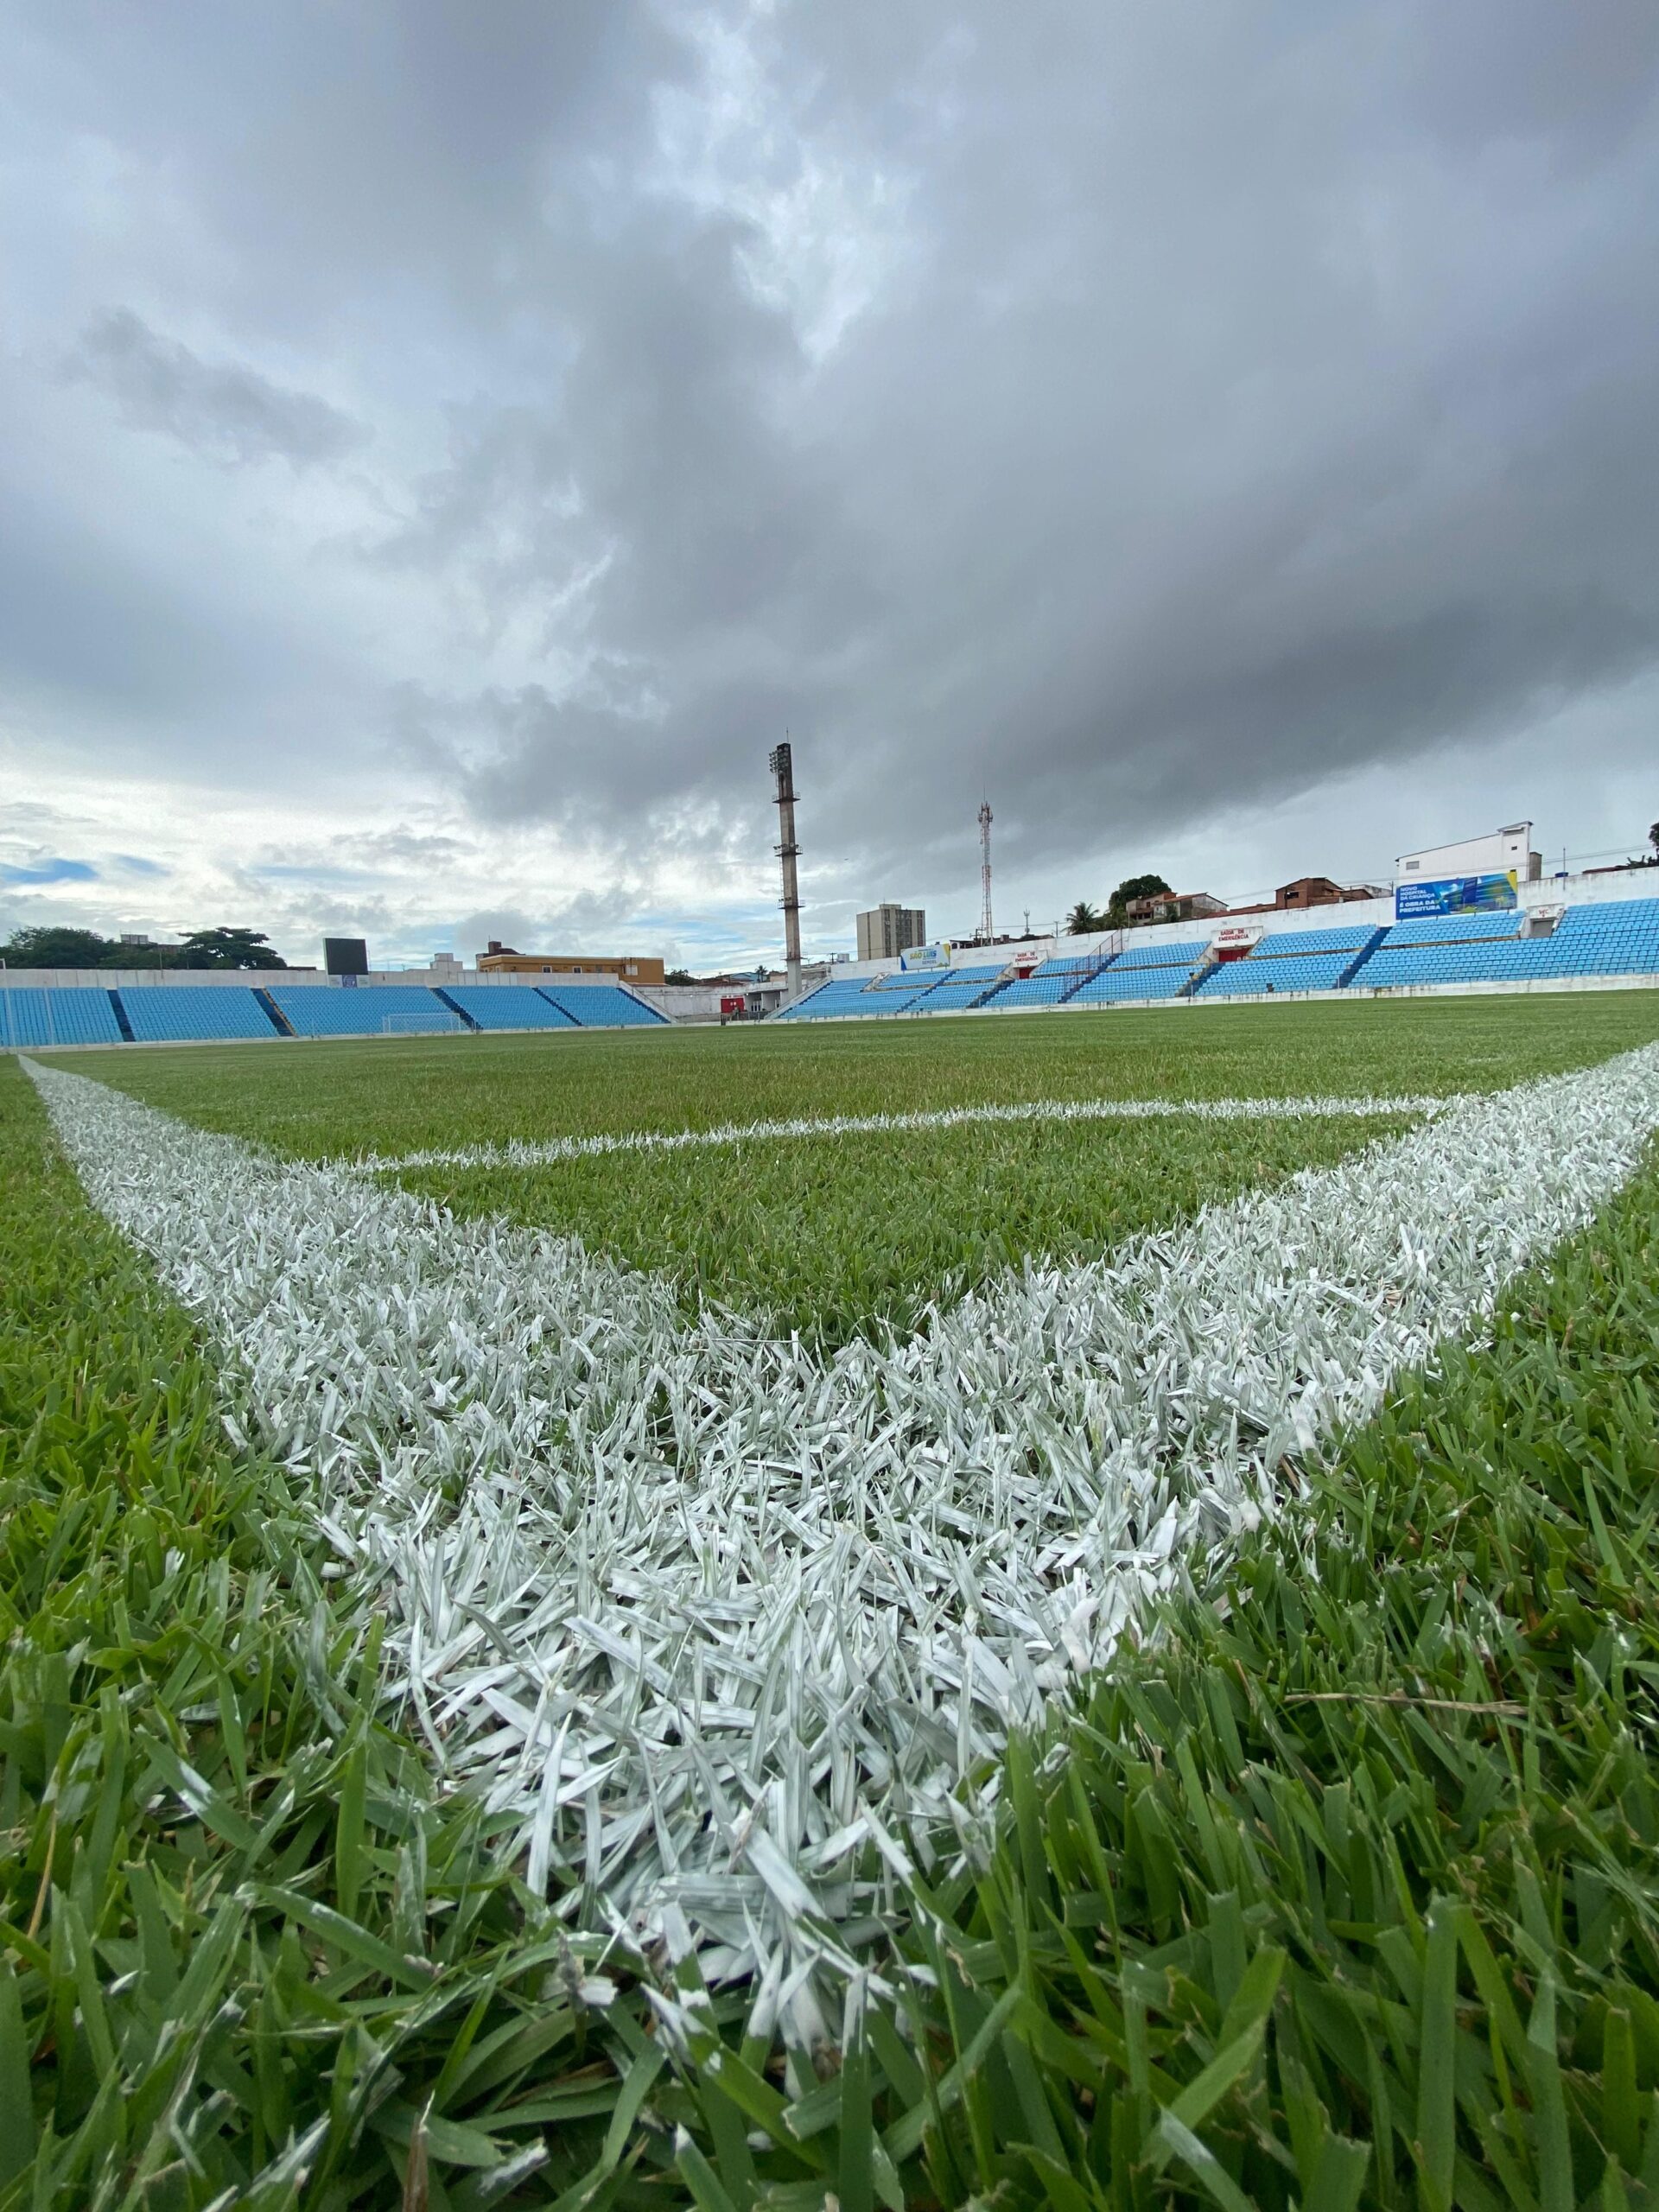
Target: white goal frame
442, 1024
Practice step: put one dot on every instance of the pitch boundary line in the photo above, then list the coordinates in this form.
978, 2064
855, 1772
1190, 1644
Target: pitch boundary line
548, 1151
726, 1629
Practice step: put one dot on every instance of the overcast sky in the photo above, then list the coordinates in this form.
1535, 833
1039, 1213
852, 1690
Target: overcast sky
447, 444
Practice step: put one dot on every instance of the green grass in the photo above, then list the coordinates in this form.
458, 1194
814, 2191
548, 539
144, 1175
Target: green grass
1348, 1891
398, 1095
232, 1908
1343, 1893
833, 1236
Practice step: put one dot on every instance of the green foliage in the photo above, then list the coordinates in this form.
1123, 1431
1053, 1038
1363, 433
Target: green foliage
1085, 920
227, 948
54, 947
1133, 887
49, 945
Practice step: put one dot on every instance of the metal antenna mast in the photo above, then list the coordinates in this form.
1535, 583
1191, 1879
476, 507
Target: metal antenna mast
985, 870
781, 764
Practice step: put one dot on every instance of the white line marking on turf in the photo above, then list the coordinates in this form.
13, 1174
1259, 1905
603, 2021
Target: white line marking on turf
546, 1152
718, 1621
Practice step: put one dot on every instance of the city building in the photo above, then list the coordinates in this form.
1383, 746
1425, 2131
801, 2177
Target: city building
503, 960
1174, 906
887, 931
1310, 891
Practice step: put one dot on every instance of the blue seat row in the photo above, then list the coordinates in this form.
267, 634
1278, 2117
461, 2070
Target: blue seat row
36, 1020
1252, 977
1035, 990
507, 1006
1118, 983
166, 1013
318, 1010
602, 1005
1277, 943
1185, 956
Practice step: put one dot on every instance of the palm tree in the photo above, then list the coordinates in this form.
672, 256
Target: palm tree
1085, 920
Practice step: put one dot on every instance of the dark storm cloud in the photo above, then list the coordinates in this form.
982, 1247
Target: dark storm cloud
1136, 413
1252, 406
220, 408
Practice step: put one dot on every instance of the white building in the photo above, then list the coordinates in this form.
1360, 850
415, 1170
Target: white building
1493, 855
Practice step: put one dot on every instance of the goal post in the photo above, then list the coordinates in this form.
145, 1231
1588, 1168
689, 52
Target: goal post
436, 1024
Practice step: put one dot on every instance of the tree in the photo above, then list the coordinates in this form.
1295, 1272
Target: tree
1133, 887
46, 945
1085, 920
1653, 839
227, 948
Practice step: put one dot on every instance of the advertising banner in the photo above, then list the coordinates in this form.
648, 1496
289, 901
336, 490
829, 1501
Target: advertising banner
926, 955
1459, 894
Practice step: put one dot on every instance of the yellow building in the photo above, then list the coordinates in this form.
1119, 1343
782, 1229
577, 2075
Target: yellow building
502, 960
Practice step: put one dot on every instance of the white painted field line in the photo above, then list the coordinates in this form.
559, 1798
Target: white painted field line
545, 1152
708, 1614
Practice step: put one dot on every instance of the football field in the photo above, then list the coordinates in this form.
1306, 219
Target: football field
1048, 1603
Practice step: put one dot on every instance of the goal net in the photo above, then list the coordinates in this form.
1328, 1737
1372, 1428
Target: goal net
406, 1025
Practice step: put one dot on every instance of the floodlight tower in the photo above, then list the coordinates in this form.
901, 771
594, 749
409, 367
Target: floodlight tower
781, 764
985, 870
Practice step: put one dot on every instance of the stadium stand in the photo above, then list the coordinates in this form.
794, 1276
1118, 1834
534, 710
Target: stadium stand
1252, 978
1036, 989
507, 1006
1292, 960
600, 1006
33, 1018
1185, 954
314, 1010
831, 999
164, 1013
1619, 938
861, 997
959, 988
1143, 971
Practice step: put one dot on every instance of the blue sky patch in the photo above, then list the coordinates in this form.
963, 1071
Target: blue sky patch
54, 871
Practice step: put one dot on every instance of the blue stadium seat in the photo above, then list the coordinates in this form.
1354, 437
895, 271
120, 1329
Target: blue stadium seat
507, 1006
32, 1019
317, 1010
1619, 938
162, 1014
1154, 954
1035, 990
1253, 978
1143, 971
602, 1006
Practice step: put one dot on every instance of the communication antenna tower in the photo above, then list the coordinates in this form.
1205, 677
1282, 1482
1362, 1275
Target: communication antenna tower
781, 763
985, 871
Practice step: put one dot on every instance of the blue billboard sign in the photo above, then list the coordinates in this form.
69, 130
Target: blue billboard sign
1459, 895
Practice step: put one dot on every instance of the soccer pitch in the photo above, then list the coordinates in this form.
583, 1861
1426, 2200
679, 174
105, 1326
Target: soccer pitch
1047, 1605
